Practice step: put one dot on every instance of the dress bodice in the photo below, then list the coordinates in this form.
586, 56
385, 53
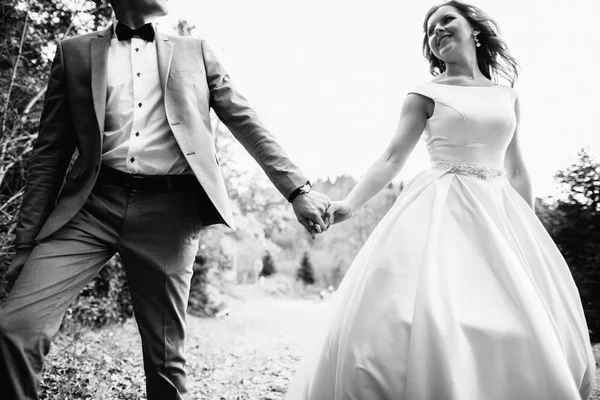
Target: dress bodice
470, 124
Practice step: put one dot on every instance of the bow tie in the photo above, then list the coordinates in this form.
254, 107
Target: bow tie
145, 32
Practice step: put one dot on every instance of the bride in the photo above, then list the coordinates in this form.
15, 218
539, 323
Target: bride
459, 293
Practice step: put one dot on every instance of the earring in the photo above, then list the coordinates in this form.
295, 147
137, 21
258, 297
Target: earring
477, 43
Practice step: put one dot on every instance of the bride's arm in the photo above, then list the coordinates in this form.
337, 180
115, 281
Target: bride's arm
413, 117
516, 171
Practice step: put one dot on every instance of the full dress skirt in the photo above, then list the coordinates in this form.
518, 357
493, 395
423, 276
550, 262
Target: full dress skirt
458, 294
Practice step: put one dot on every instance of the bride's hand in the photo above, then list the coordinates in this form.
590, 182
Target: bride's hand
338, 211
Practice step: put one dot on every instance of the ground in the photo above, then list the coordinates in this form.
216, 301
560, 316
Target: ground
249, 354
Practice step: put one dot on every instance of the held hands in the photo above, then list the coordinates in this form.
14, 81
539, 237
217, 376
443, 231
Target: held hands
317, 213
310, 209
338, 211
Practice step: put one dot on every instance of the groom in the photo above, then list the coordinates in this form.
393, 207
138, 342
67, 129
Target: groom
135, 104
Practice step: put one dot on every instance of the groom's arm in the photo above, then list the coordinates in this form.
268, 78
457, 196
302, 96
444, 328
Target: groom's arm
236, 113
50, 157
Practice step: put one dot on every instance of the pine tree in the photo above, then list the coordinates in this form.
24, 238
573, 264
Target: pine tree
268, 265
306, 272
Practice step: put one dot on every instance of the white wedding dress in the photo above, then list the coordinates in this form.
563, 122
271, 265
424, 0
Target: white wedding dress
459, 293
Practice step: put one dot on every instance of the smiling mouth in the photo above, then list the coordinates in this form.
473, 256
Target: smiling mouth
442, 39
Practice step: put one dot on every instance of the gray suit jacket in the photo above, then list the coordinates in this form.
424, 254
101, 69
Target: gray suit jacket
192, 80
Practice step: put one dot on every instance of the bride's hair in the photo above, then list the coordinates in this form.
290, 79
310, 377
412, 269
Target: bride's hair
493, 56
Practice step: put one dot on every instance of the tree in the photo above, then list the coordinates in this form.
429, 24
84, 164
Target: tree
306, 272
573, 221
581, 183
205, 299
268, 265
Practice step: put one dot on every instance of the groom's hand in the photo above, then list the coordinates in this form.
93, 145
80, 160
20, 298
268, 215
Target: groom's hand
16, 265
309, 209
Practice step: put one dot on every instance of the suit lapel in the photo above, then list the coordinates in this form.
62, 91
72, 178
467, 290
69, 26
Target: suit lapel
164, 50
99, 55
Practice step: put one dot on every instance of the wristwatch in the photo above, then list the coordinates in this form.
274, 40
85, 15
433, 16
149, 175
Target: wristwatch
304, 189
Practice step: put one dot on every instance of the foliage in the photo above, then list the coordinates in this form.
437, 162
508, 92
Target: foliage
268, 265
199, 302
94, 364
306, 272
581, 182
103, 301
573, 221
212, 262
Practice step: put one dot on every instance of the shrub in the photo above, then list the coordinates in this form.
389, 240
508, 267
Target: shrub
205, 298
306, 271
268, 265
574, 223
103, 301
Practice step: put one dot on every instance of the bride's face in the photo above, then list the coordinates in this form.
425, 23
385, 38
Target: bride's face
449, 34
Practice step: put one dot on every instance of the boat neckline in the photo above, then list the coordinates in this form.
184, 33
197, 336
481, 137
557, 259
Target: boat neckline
477, 86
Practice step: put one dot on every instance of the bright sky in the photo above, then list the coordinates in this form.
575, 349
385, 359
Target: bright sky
328, 76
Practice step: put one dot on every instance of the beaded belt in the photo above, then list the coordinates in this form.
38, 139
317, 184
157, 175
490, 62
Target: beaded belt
481, 171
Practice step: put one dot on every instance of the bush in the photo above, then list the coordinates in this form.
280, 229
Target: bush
268, 265
103, 301
574, 223
205, 299
306, 271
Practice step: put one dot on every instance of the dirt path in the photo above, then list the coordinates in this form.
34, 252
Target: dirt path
248, 355
252, 353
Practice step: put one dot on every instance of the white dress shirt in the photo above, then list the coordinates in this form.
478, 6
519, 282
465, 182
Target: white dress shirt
137, 136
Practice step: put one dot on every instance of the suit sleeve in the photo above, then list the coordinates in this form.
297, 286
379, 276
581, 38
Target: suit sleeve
237, 114
51, 154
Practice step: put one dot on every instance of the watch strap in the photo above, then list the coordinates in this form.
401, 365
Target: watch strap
298, 191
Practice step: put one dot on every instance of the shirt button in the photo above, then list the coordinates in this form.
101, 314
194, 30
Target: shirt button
132, 159
137, 49
137, 134
138, 74
139, 104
